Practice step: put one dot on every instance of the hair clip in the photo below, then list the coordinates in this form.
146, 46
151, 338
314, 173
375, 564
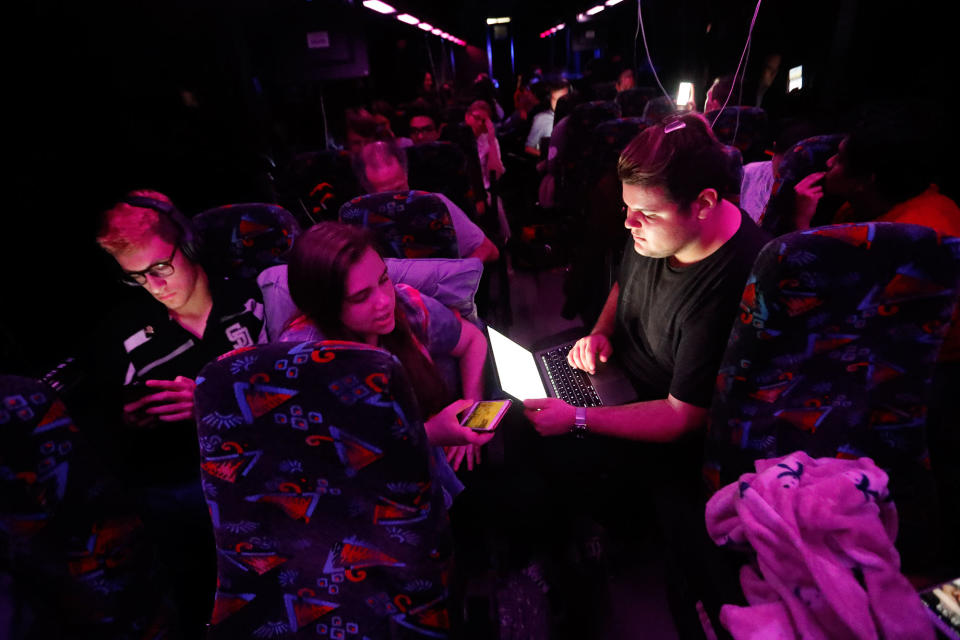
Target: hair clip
675, 124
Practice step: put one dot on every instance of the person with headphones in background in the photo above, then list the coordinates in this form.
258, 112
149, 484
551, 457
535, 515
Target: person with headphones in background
146, 358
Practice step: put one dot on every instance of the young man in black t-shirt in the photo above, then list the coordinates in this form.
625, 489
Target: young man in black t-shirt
669, 315
146, 358
667, 320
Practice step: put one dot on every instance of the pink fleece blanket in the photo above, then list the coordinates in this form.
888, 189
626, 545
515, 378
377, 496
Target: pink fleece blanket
826, 567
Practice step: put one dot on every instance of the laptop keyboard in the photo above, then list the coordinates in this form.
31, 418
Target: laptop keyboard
570, 384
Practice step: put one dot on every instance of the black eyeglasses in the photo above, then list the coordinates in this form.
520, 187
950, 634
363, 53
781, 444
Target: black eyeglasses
162, 269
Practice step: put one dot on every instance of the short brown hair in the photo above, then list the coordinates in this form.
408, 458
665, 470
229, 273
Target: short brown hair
125, 227
682, 155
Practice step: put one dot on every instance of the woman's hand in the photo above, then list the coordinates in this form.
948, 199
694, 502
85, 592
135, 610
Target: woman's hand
468, 452
445, 430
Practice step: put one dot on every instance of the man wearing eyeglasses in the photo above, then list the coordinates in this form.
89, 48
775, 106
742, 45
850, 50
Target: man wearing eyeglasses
148, 355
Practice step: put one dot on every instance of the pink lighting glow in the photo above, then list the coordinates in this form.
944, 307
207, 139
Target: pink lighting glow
407, 18
595, 10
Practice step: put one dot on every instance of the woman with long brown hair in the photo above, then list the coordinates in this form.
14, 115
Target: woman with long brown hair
340, 284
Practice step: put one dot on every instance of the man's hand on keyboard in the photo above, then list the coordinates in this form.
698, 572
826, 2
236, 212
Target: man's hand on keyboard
550, 416
587, 351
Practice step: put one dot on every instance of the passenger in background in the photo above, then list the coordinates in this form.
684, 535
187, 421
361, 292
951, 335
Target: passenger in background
542, 125
667, 320
382, 166
478, 118
428, 90
626, 80
363, 128
514, 130
718, 92
758, 177
485, 89
340, 283
146, 358
385, 115
425, 125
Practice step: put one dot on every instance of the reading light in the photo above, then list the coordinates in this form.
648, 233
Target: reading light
582, 17
407, 18
610, 3
595, 10
498, 20
379, 7
425, 26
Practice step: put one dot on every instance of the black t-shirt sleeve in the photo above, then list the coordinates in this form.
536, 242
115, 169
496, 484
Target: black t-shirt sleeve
705, 331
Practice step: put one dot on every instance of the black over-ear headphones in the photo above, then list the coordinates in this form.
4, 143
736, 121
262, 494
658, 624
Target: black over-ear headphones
189, 244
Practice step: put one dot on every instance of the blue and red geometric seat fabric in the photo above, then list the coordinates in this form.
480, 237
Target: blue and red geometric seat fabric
407, 224
834, 348
316, 471
241, 240
73, 543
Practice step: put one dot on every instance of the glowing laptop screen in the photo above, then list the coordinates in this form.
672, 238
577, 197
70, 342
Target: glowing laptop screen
516, 367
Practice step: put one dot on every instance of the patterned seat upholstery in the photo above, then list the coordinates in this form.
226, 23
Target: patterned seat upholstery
799, 161
241, 240
407, 224
834, 349
441, 167
74, 545
743, 127
315, 184
316, 470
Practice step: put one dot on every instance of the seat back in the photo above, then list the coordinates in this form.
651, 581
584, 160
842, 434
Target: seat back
316, 470
441, 167
70, 538
834, 349
633, 101
315, 184
461, 135
600, 231
743, 127
407, 224
241, 240
799, 161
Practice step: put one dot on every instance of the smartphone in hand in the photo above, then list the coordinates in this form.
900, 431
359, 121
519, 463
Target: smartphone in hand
484, 416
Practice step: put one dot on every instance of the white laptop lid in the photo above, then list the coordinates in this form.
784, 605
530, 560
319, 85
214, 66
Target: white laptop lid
516, 367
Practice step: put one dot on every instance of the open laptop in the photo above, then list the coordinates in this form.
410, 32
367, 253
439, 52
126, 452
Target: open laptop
525, 374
